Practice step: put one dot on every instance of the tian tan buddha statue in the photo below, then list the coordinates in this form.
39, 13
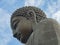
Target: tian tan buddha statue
31, 26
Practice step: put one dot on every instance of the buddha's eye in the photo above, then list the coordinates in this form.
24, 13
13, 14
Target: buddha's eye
15, 23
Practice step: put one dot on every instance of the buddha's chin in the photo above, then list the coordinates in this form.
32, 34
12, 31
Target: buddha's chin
23, 39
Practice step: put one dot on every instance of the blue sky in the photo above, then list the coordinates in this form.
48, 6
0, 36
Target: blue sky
7, 7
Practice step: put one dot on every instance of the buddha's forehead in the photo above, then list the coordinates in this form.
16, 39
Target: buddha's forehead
18, 18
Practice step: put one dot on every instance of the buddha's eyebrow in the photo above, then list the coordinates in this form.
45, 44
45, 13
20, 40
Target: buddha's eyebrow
15, 21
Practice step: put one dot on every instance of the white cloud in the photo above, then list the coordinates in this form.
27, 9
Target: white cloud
52, 7
39, 2
33, 2
53, 10
57, 16
29, 2
5, 32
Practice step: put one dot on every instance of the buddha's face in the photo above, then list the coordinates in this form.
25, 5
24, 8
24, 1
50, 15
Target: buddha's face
22, 28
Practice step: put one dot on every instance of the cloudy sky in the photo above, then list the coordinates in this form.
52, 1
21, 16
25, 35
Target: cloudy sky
7, 7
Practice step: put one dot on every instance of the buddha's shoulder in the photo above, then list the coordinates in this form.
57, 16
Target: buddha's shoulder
48, 20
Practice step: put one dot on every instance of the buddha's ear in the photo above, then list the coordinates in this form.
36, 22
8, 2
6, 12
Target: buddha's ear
32, 15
